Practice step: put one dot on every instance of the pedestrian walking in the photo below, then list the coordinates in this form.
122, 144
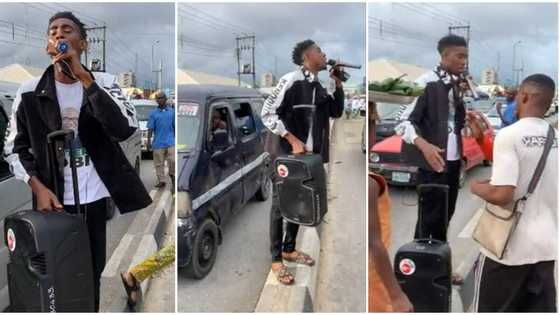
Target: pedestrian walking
161, 126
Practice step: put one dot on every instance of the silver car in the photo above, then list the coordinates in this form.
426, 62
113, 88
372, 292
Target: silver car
143, 110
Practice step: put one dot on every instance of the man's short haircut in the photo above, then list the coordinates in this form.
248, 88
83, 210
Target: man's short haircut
69, 15
540, 81
297, 53
543, 83
450, 40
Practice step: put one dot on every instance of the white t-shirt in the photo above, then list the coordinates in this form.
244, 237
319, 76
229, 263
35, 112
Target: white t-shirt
517, 150
90, 185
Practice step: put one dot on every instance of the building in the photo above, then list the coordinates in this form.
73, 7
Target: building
127, 79
489, 76
381, 69
18, 73
268, 79
194, 77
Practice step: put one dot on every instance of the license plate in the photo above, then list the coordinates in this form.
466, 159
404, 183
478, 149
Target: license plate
400, 177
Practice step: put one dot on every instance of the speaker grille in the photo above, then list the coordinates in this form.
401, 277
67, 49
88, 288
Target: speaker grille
39, 263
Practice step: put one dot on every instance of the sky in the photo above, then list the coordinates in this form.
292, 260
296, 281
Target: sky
132, 28
207, 35
409, 33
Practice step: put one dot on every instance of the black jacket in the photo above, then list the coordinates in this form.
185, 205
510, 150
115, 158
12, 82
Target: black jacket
105, 119
297, 99
430, 120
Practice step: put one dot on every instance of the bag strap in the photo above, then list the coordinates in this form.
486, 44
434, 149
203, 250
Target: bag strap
541, 164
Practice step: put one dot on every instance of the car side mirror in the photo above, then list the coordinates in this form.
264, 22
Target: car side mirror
220, 140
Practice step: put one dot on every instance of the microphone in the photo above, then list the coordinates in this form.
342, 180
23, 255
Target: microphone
64, 67
332, 62
62, 47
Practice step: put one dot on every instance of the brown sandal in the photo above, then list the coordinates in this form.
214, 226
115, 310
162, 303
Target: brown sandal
301, 258
283, 275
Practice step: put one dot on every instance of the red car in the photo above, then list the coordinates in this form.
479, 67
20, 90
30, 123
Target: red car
385, 156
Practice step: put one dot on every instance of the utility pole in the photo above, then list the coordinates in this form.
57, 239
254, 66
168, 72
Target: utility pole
253, 66
135, 63
244, 43
498, 68
459, 30
159, 77
515, 71
275, 68
93, 40
238, 56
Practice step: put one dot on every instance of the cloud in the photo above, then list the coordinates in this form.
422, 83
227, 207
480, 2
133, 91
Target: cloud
131, 30
412, 31
209, 32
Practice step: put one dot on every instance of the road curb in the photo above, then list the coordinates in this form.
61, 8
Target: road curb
299, 297
142, 239
278, 298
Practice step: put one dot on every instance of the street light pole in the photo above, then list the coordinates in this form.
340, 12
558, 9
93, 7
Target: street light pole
152, 65
514, 70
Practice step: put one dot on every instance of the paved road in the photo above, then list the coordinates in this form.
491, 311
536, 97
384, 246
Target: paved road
241, 268
404, 215
342, 267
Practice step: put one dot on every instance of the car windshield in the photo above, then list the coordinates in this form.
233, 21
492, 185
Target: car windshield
188, 126
481, 105
389, 110
143, 111
492, 113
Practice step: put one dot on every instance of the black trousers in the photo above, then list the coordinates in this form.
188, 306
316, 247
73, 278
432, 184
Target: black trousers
96, 218
278, 242
432, 206
525, 288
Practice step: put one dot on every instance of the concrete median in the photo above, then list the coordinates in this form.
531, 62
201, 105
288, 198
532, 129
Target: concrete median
299, 297
142, 239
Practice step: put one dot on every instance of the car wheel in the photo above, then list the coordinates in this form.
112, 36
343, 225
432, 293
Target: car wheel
264, 191
462, 175
205, 248
110, 209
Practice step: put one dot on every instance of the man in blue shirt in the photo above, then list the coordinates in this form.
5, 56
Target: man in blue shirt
161, 124
509, 116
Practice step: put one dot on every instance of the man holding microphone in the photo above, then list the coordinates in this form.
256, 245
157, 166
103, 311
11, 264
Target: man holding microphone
300, 130
69, 96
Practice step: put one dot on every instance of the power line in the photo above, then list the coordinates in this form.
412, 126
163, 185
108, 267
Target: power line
242, 30
415, 9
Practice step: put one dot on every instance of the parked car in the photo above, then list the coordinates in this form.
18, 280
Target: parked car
222, 165
143, 109
385, 156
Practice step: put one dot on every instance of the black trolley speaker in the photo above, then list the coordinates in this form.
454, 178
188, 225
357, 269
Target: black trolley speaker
302, 188
423, 267
50, 268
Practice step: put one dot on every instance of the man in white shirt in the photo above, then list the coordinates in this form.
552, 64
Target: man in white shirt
523, 280
69, 96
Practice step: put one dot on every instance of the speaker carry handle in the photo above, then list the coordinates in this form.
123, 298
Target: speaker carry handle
57, 142
445, 190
